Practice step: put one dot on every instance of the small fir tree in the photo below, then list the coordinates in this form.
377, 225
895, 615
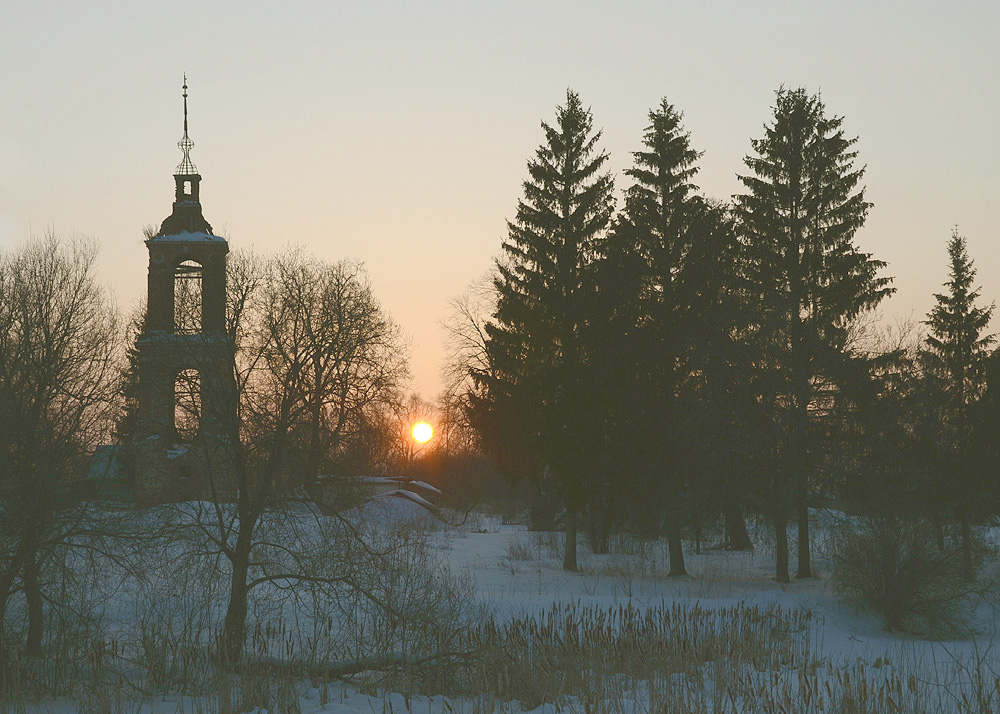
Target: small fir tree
955, 357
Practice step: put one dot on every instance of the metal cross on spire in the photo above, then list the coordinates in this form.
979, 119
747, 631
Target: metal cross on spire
185, 167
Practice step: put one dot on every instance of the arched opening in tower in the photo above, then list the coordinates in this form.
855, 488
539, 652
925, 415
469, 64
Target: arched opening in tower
187, 298
187, 404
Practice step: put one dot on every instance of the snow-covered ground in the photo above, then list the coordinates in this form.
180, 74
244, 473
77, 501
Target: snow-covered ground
517, 575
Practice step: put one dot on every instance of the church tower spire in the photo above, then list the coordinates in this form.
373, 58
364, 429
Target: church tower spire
186, 167
186, 216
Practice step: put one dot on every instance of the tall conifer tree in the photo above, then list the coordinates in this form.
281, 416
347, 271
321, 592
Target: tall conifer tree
803, 204
955, 357
544, 290
660, 228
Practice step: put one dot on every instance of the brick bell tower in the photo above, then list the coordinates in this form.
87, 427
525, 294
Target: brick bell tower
187, 390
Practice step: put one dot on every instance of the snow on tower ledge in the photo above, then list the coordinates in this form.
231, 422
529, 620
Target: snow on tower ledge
185, 237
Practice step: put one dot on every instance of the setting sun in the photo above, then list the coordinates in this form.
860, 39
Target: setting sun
422, 432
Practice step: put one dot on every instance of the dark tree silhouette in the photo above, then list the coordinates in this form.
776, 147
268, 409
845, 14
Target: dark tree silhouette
58, 378
538, 384
955, 357
316, 355
803, 205
663, 260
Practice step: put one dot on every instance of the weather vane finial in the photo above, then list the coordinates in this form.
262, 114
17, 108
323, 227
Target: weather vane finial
186, 167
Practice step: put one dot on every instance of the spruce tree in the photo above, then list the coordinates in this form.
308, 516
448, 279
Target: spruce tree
803, 204
955, 357
544, 291
668, 229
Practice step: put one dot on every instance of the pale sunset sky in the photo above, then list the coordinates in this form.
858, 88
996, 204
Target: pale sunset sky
397, 133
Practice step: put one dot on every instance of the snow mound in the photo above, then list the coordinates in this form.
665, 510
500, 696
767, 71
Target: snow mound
394, 509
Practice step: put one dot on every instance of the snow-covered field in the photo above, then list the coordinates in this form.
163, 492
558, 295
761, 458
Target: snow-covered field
763, 646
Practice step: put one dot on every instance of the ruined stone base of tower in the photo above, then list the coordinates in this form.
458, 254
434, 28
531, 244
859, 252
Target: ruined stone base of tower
201, 470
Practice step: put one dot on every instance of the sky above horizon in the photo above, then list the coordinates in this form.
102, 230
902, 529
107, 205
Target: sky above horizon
397, 134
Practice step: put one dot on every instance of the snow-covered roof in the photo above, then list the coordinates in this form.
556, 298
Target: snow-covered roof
411, 496
382, 481
187, 237
209, 336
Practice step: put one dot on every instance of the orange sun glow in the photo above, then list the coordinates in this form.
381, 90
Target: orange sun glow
422, 432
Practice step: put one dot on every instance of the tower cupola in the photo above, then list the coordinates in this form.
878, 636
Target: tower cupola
186, 216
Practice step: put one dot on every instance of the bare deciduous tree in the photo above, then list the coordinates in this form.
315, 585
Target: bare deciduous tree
465, 345
58, 379
316, 359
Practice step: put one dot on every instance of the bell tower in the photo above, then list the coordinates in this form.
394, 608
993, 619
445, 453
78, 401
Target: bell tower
187, 390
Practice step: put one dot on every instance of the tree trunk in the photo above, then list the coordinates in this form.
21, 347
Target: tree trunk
234, 630
7, 669
803, 393
781, 547
598, 529
737, 537
541, 513
33, 596
804, 570
7, 582
316, 416
569, 560
968, 574
674, 546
